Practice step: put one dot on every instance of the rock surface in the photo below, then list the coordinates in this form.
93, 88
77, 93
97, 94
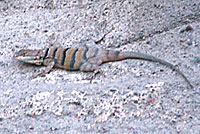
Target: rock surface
131, 96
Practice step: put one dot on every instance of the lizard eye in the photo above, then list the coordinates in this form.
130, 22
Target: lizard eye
23, 54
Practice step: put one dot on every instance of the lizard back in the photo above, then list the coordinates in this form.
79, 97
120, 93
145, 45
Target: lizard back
70, 58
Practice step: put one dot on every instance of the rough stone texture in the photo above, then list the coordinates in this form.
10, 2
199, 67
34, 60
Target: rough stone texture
130, 96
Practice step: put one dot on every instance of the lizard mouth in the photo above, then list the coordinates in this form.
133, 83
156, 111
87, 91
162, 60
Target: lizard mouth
29, 59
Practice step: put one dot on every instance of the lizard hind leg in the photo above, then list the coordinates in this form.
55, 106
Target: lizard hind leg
88, 67
92, 65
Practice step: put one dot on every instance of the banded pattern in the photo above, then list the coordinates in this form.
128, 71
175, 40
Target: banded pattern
70, 58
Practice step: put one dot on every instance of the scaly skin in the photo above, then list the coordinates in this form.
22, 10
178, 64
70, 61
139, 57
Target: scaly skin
84, 58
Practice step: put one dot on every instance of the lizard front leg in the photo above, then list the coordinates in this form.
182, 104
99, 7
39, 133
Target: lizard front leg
49, 63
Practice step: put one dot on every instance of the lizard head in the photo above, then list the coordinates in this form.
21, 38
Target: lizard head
29, 56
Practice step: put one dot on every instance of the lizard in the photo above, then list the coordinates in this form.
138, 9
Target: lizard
84, 58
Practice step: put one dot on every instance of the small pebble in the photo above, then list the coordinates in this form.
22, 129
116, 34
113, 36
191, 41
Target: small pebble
197, 59
189, 43
31, 127
187, 29
53, 129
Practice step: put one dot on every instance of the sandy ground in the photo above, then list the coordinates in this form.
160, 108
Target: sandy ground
131, 96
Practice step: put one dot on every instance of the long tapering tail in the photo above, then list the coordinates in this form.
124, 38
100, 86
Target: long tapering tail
136, 55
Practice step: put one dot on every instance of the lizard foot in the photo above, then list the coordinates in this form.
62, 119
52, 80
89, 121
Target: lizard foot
97, 71
42, 74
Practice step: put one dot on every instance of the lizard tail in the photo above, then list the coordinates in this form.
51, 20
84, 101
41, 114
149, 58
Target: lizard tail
136, 55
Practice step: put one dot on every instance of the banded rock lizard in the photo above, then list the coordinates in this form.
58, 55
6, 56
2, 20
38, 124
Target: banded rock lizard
86, 59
